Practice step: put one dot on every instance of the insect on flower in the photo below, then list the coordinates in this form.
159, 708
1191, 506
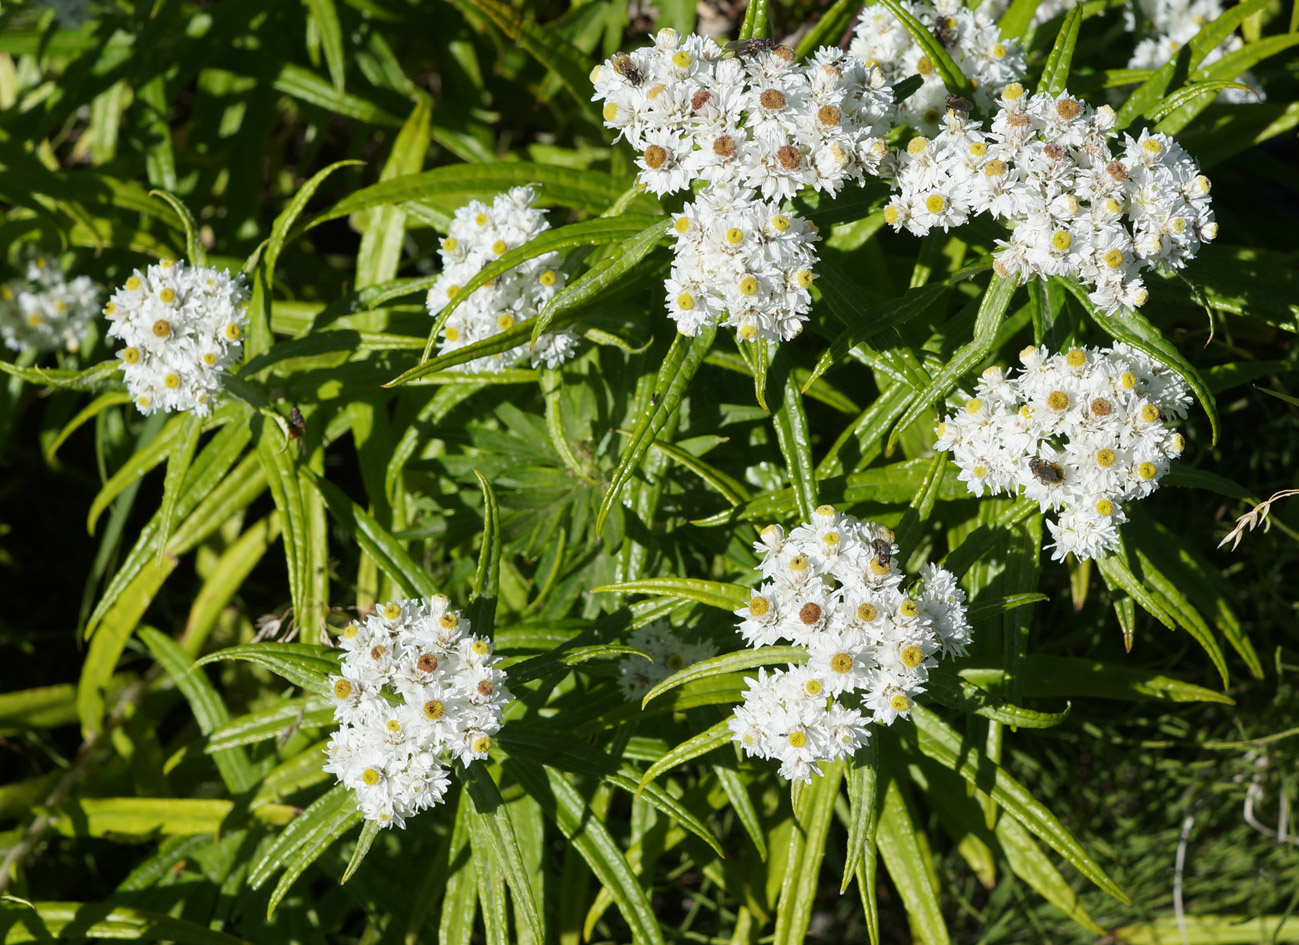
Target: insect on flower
747, 47
297, 426
1049, 474
945, 33
623, 65
961, 107
883, 551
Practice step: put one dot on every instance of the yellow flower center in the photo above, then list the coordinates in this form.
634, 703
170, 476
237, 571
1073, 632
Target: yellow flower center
233, 332
610, 111
167, 295
812, 687
1150, 413
681, 59
548, 278
841, 663
912, 656
172, 381
1105, 458
391, 611
935, 203
499, 247
798, 563
449, 621
685, 301
434, 709
370, 776
1057, 400
1013, 92
481, 219
481, 647
133, 283
342, 689
1076, 357
1061, 240
908, 608
748, 285
804, 277
450, 244
1147, 471
393, 726
735, 236
161, 328
797, 739
899, 703
131, 355
973, 405
917, 145
1104, 507
506, 320
866, 613
1128, 380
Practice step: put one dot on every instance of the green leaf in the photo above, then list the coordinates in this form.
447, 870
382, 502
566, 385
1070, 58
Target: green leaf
376, 541
487, 579
1119, 576
628, 779
754, 25
93, 921
595, 232
449, 187
1188, 58
727, 663
711, 593
1070, 677
88, 412
1210, 930
1055, 74
1017, 19
494, 819
910, 866
798, 898
369, 830
308, 87
274, 722
194, 250
730, 488
607, 273
302, 664
331, 38
1029, 863
1177, 110
827, 30
145, 817
742, 806
679, 367
301, 842
941, 59
591, 839
178, 462
986, 326
209, 711
384, 228
712, 737
555, 53
547, 663
939, 741
953, 691
794, 438
864, 800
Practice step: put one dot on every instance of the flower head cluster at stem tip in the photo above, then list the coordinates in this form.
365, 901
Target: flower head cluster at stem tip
183, 326
667, 653
416, 689
1084, 431
748, 132
46, 311
834, 586
1076, 208
480, 234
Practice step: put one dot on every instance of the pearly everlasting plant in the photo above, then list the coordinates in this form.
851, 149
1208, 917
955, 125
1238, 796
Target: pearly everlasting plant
1082, 433
46, 311
481, 233
183, 326
834, 586
667, 653
417, 689
1076, 206
1170, 25
970, 36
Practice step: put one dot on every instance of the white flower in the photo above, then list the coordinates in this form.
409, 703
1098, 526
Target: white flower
182, 326
46, 311
1083, 432
667, 652
416, 688
481, 233
833, 587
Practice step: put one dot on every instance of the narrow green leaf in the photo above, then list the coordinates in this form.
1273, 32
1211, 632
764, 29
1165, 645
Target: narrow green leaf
712, 737
331, 38
742, 806
494, 819
92, 378
319, 817
939, 741
78, 921
1119, 576
711, 593
754, 25
727, 663
209, 711
816, 810
1017, 19
1243, 929
794, 438
988, 322
274, 722
302, 664
941, 59
1034, 867
730, 488
1055, 74
487, 579
628, 779
369, 830
679, 367
907, 863
1070, 677
179, 459
194, 250
86, 413
827, 30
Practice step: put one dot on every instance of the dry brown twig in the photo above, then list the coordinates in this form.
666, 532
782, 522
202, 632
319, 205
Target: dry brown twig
1254, 517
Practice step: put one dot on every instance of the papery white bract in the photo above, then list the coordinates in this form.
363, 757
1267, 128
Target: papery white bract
416, 689
182, 326
667, 652
834, 586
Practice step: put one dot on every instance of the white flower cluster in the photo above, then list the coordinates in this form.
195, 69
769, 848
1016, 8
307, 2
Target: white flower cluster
182, 326
1045, 169
479, 235
46, 311
1084, 431
832, 585
754, 129
972, 39
667, 652
416, 688
1173, 23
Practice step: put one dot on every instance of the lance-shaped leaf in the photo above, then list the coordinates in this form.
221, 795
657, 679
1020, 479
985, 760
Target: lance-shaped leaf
494, 818
727, 663
302, 664
712, 737
939, 57
711, 593
1055, 74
